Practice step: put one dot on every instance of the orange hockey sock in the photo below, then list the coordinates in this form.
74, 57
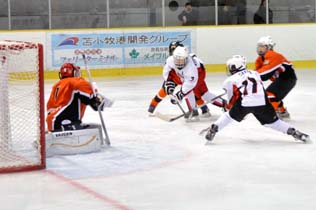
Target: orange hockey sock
160, 95
199, 102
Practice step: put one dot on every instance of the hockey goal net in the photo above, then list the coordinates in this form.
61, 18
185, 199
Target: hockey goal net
22, 133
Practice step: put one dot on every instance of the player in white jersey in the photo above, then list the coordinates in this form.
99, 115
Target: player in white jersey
191, 72
170, 85
246, 94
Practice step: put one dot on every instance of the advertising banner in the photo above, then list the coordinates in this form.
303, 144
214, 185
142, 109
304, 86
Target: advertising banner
115, 49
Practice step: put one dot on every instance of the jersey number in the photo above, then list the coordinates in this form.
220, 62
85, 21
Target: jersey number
56, 93
251, 82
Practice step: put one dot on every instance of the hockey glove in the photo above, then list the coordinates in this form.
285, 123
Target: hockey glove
106, 102
175, 99
179, 95
102, 101
224, 108
169, 87
96, 101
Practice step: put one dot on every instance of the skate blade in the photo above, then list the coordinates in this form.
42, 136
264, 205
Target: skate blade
151, 115
285, 116
307, 140
208, 143
206, 115
202, 132
193, 119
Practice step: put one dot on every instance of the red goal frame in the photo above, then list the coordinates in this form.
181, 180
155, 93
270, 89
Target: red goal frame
40, 49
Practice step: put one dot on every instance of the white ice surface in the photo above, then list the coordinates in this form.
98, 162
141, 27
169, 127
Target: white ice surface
158, 165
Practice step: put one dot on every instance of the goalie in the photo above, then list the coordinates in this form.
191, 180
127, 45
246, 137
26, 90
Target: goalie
65, 109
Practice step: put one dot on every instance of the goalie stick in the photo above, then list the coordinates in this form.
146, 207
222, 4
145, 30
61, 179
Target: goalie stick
89, 74
107, 139
168, 119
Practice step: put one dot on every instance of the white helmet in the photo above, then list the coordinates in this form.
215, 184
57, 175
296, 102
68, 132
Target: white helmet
266, 40
235, 64
180, 57
242, 58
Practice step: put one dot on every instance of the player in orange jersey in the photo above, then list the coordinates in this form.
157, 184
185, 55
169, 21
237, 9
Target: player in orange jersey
68, 100
274, 66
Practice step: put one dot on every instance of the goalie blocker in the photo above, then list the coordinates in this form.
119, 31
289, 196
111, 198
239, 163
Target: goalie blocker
73, 142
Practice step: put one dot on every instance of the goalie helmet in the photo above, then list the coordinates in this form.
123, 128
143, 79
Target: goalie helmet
264, 44
180, 57
236, 64
69, 70
173, 46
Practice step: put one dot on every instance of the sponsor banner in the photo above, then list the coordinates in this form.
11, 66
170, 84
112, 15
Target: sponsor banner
115, 49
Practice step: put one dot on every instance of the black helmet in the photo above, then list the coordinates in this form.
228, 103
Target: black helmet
173, 46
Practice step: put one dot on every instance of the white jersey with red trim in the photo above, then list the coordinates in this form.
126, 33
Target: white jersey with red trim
188, 74
247, 85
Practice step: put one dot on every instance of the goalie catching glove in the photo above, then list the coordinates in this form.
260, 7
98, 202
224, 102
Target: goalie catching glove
102, 101
169, 87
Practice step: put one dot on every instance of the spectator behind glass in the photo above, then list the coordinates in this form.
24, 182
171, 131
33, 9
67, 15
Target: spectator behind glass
260, 15
241, 11
188, 16
226, 12
232, 12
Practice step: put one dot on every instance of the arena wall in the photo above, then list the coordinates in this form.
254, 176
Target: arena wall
213, 44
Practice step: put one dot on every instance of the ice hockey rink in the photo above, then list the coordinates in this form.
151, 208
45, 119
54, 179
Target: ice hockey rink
157, 165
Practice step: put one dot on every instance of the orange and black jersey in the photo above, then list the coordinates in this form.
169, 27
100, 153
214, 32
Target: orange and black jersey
68, 100
274, 65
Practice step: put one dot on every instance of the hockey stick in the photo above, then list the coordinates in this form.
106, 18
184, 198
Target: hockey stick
212, 100
165, 118
106, 139
177, 102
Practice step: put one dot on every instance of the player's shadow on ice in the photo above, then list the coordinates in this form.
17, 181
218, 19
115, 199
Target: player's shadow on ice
272, 142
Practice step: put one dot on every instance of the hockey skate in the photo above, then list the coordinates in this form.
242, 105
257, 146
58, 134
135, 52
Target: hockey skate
283, 114
205, 112
211, 132
299, 135
151, 110
192, 116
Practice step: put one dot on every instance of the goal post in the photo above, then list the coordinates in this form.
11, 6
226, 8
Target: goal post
22, 124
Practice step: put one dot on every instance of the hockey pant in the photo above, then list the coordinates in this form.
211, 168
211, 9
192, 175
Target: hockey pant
278, 89
264, 114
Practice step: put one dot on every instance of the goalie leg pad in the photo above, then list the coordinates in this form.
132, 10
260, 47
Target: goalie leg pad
74, 142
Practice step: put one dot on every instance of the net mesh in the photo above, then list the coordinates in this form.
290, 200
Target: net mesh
20, 105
